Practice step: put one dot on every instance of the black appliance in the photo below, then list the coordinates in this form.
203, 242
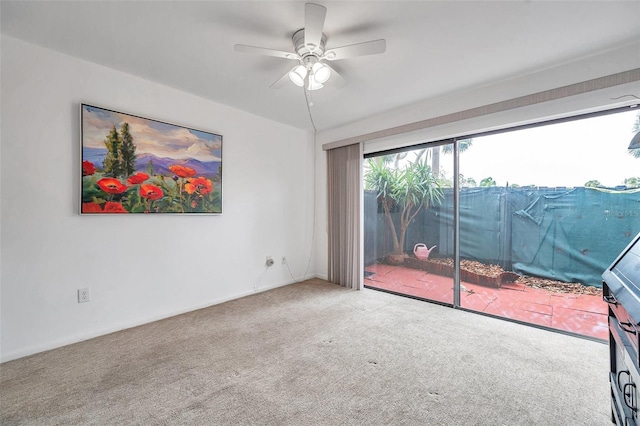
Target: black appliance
621, 291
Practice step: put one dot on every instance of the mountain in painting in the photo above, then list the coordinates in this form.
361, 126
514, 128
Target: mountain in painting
94, 155
160, 165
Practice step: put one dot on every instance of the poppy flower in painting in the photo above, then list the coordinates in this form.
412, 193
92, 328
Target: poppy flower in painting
88, 168
151, 192
91, 208
112, 186
182, 171
201, 185
113, 207
137, 178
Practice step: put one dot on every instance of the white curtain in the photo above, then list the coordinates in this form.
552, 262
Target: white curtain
344, 176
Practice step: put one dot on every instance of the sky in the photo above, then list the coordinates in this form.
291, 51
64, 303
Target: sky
566, 154
150, 137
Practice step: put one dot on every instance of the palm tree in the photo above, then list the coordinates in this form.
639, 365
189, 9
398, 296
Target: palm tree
463, 145
408, 190
434, 153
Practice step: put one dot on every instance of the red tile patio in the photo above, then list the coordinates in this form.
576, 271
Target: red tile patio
577, 313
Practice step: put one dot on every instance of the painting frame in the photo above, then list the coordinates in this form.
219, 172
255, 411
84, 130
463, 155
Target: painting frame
133, 164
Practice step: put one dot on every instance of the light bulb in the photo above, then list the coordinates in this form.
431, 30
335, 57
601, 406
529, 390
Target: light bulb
313, 84
321, 72
297, 75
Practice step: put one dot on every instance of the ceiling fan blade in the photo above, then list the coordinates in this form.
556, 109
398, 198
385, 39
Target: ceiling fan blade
282, 81
336, 80
359, 49
314, 15
242, 48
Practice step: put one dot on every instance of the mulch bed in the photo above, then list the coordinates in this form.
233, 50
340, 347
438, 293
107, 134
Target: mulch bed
494, 274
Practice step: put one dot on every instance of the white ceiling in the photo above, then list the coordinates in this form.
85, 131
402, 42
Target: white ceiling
433, 47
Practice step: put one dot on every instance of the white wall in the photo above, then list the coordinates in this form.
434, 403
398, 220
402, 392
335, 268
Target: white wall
139, 268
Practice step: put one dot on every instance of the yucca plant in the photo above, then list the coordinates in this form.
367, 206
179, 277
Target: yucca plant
409, 189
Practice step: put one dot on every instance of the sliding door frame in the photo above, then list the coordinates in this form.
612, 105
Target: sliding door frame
456, 271
456, 199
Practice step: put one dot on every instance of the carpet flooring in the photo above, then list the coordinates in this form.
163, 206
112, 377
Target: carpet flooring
314, 353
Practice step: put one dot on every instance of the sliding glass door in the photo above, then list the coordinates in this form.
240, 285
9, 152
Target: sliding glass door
540, 213
408, 230
547, 210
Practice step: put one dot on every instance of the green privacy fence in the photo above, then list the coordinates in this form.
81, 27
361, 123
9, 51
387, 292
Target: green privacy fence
569, 235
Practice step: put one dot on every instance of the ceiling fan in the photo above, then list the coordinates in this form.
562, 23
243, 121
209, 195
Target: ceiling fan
309, 44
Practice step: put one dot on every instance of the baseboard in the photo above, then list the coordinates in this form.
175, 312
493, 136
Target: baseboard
102, 332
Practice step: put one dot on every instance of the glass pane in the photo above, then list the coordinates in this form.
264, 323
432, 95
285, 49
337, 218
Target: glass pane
543, 212
408, 243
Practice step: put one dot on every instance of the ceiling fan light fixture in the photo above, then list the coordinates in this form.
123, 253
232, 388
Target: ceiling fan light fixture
321, 72
312, 84
310, 48
298, 74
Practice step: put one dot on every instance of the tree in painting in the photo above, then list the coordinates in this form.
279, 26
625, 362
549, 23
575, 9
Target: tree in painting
128, 151
112, 162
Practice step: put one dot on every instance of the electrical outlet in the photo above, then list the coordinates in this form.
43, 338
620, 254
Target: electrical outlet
83, 295
270, 261
284, 260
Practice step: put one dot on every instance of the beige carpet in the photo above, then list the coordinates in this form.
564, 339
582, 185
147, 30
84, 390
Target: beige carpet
315, 354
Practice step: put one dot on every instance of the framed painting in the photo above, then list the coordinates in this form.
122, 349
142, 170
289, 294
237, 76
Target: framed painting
132, 164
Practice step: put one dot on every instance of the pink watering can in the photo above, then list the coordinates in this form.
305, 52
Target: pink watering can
421, 251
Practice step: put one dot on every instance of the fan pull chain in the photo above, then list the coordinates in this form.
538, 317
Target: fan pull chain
310, 99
